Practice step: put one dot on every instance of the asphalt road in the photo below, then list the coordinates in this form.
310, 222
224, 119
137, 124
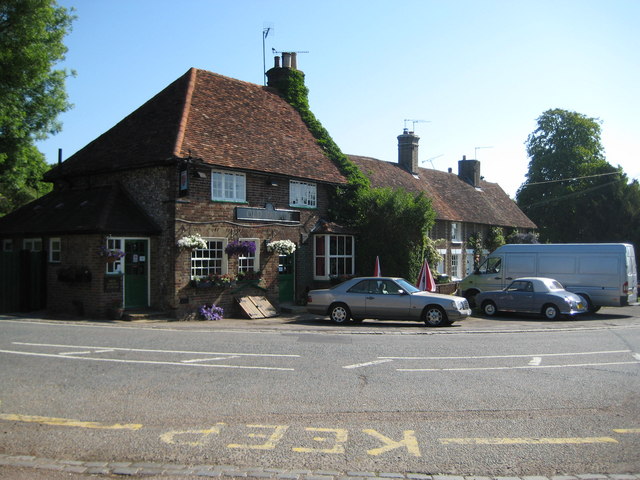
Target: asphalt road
498, 397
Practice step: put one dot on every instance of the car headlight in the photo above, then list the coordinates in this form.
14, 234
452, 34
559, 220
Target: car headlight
457, 305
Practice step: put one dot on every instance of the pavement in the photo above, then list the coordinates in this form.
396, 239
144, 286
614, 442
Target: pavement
27, 467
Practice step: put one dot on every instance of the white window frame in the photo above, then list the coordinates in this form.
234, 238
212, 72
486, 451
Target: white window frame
440, 267
456, 232
55, 250
7, 245
252, 263
116, 267
32, 244
456, 263
303, 194
332, 261
228, 186
204, 264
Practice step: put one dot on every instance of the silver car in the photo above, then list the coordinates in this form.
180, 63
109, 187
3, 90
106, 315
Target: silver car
544, 296
386, 298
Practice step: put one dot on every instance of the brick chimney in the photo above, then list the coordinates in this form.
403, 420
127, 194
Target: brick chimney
408, 151
469, 171
278, 75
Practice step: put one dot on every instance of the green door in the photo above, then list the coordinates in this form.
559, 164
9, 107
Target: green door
285, 278
136, 285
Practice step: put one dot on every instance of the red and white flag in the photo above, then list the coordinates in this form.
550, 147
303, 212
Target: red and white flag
425, 279
376, 270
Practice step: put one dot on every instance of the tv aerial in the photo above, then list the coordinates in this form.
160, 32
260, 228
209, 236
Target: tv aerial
430, 160
413, 127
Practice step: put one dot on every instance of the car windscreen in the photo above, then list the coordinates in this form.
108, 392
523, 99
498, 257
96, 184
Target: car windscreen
406, 286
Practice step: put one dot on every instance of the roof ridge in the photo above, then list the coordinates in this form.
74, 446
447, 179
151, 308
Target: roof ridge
186, 110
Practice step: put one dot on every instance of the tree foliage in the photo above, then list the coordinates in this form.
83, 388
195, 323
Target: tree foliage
571, 191
32, 93
392, 224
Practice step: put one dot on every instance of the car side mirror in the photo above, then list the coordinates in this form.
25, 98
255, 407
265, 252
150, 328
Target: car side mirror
402, 292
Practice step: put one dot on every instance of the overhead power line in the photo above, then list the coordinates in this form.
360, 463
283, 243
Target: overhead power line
570, 179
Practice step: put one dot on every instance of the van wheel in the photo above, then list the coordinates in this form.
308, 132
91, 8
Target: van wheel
489, 308
551, 312
591, 308
434, 316
470, 295
339, 313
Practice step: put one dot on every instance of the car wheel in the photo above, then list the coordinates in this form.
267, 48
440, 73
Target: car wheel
550, 312
435, 316
591, 308
339, 313
489, 308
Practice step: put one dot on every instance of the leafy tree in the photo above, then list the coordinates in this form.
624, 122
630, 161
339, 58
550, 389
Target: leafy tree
495, 238
32, 94
518, 237
570, 186
393, 224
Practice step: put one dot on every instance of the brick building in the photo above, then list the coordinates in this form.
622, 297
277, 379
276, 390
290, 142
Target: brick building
210, 155
465, 204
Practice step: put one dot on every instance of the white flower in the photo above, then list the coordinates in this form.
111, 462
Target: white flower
192, 241
282, 247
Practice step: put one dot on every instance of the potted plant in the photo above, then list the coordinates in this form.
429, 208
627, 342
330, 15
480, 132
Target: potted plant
237, 248
191, 242
281, 247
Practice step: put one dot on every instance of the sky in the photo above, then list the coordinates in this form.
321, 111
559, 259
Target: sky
469, 77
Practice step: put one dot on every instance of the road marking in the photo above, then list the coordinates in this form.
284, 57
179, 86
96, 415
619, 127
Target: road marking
626, 430
636, 356
146, 362
535, 361
195, 360
155, 351
366, 364
526, 441
468, 369
479, 357
67, 422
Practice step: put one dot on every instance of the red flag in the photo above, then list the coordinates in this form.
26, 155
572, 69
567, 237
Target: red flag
376, 270
425, 279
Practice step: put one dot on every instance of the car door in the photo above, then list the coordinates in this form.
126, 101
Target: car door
356, 298
518, 297
386, 302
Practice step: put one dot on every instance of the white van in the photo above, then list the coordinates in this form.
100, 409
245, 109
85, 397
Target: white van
603, 273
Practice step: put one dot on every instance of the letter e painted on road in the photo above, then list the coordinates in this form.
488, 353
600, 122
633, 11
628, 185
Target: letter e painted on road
409, 442
272, 440
339, 439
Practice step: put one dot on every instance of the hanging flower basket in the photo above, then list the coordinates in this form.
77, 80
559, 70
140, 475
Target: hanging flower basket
281, 247
240, 249
191, 242
110, 255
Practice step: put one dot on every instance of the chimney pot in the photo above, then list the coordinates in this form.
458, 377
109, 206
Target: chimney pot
276, 61
286, 59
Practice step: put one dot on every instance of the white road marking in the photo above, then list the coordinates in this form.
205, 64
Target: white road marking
366, 364
86, 352
195, 360
477, 357
146, 362
190, 352
514, 367
636, 356
535, 361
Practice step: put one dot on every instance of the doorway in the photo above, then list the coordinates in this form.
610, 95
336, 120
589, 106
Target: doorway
285, 278
136, 275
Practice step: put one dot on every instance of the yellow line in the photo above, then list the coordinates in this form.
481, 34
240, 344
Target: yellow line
525, 441
626, 430
67, 422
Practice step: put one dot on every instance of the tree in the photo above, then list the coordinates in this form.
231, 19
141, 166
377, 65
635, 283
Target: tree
571, 191
393, 224
32, 94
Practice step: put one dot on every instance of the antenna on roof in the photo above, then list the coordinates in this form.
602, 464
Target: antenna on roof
430, 160
475, 151
266, 29
413, 128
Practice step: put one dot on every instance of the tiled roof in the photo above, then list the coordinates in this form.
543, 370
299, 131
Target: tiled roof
223, 121
98, 210
452, 198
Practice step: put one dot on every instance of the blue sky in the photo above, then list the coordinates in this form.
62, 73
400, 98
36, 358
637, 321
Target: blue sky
475, 73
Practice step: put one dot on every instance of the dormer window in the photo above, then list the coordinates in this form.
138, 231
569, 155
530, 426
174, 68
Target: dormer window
302, 194
228, 186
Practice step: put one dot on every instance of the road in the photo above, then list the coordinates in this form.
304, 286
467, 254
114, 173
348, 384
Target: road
496, 397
